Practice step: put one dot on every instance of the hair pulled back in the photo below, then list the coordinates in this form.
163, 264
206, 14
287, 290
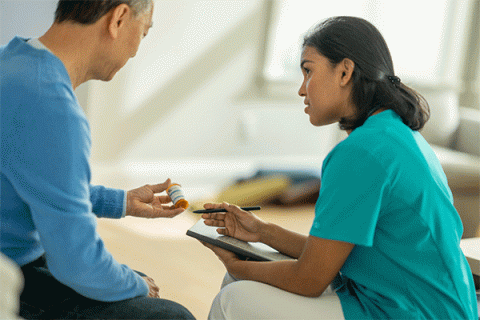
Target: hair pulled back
90, 11
375, 85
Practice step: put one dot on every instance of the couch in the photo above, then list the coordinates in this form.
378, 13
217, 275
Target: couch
454, 133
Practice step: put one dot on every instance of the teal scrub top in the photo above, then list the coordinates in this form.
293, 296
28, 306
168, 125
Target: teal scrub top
384, 190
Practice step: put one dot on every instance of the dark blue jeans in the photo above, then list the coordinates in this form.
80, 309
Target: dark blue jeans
44, 297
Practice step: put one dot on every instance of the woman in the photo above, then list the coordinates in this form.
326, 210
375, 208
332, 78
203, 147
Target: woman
386, 234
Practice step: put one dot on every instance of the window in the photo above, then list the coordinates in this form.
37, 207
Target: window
424, 36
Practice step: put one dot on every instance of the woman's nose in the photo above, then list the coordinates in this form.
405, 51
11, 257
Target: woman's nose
301, 91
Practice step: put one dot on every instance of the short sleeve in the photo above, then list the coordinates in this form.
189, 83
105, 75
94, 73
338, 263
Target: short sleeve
351, 195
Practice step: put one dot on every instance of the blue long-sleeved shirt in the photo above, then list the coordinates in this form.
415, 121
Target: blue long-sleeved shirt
47, 205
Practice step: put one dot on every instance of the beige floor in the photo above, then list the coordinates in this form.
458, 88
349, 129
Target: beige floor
183, 268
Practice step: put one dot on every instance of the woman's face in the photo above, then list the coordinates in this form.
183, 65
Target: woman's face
326, 87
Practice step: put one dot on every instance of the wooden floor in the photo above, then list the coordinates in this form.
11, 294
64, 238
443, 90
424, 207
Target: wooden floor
182, 267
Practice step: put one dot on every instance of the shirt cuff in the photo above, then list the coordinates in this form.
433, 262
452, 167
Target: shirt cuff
124, 211
108, 202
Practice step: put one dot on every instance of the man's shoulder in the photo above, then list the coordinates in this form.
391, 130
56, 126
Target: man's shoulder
27, 71
36, 82
17, 50
23, 63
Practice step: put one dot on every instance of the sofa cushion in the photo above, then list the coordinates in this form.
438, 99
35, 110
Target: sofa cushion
444, 117
462, 170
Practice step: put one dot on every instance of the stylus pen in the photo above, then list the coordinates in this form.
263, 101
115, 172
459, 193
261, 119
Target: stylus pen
223, 210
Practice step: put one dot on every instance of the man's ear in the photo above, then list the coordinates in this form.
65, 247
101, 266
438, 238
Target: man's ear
118, 17
346, 68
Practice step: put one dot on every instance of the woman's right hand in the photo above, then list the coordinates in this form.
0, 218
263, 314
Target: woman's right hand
235, 223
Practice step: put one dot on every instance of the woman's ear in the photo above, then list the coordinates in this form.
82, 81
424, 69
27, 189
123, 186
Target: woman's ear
346, 67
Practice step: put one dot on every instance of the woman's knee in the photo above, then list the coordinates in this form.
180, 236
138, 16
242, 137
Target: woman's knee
236, 301
255, 300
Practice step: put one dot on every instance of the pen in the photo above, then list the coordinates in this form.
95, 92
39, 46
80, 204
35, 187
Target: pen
223, 210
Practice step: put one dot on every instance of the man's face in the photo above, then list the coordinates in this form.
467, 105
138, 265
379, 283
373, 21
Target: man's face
139, 26
126, 45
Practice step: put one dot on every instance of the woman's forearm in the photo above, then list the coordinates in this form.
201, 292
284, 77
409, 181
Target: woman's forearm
283, 240
318, 264
284, 275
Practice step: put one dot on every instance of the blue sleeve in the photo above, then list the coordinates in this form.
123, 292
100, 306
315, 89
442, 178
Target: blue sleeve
48, 165
108, 202
351, 195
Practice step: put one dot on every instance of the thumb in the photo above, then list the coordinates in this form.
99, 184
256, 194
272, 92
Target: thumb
157, 188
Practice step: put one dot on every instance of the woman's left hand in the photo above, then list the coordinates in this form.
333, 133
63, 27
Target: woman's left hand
228, 258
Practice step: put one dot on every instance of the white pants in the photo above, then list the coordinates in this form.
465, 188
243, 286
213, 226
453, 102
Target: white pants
254, 300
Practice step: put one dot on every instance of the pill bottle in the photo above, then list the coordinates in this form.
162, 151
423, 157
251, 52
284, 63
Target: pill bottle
175, 193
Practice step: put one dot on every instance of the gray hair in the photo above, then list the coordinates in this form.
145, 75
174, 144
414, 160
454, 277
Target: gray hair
90, 11
140, 6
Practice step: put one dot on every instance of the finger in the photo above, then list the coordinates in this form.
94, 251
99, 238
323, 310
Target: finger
163, 212
152, 282
221, 215
164, 199
214, 216
209, 206
206, 244
214, 223
174, 210
222, 231
168, 207
233, 208
170, 216
223, 254
155, 287
212, 247
158, 188
170, 212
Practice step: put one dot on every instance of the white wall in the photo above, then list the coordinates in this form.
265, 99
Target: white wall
25, 18
211, 118
187, 98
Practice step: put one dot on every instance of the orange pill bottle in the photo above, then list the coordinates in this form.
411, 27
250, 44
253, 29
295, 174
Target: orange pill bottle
177, 195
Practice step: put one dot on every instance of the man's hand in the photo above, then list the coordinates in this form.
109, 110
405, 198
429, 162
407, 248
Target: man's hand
142, 202
152, 287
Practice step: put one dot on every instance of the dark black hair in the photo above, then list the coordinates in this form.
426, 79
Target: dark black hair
90, 11
375, 85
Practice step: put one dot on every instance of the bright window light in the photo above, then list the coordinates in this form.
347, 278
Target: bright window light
418, 32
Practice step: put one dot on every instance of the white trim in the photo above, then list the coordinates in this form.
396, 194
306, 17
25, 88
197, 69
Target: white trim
35, 42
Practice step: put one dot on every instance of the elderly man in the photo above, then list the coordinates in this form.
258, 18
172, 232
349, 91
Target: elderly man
48, 206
